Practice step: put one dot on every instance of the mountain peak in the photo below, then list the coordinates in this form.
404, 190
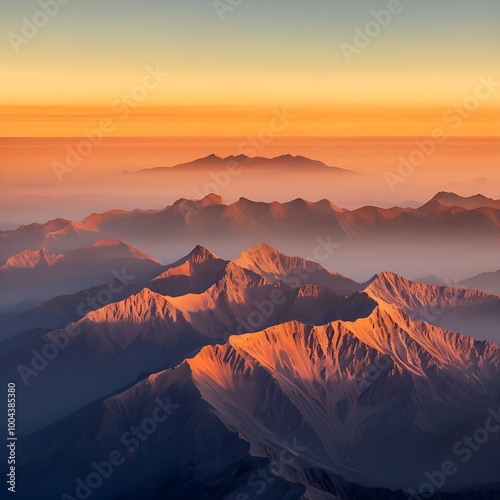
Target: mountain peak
258, 254
275, 266
285, 162
328, 204
211, 156
28, 259
450, 199
201, 254
194, 273
119, 246
235, 279
136, 308
210, 199
262, 247
387, 280
55, 225
107, 242
181, 204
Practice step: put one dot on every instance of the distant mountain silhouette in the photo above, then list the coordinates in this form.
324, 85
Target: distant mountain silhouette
429, 239
283, 163
32, 276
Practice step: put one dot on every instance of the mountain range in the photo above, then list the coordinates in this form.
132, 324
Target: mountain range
487, 282
280, 164
438, 238
279, 378
32, 276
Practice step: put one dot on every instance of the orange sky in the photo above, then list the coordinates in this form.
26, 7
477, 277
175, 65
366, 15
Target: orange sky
225, 121
177, 69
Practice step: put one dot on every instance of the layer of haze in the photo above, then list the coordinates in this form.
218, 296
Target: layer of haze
221, 81
31, 191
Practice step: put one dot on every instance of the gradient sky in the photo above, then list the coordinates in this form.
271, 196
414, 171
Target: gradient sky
225, 77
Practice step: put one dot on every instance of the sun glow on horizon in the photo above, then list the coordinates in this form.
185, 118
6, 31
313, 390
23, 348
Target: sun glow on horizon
235, 121
182, 71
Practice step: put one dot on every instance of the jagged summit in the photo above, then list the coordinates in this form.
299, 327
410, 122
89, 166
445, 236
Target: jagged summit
211, 199
237, 345
194, 273
201, 254
198, 255
449, 200
296, 271
29, 259
185, 204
